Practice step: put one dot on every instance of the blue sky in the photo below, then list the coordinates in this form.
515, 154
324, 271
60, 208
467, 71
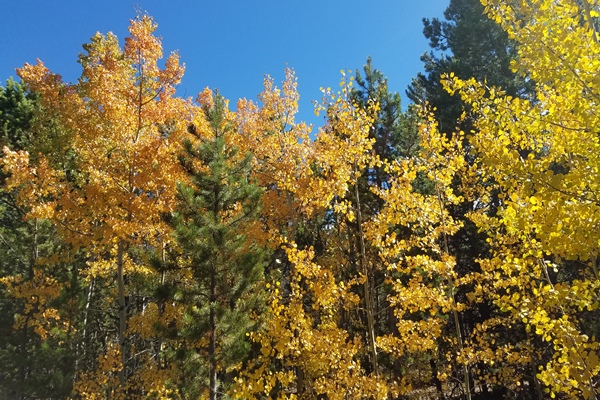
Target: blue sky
230, 44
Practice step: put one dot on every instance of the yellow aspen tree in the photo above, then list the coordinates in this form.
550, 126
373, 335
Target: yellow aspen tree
346, 121
282, 153
37, 294
304, 352
411, 233
126, 126
543, 155
38, 274
295, 170
308, 339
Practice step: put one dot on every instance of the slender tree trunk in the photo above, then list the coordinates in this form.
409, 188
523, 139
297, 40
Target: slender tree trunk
23, 369
369, 302
213, 339
161, 308
459, 334
88, 303
122, 309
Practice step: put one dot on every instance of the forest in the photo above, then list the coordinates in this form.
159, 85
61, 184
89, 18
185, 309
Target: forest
154, 246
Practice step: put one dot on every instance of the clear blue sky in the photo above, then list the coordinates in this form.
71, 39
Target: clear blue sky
230, 44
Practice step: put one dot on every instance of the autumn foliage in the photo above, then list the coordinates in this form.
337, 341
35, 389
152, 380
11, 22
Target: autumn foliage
178, 249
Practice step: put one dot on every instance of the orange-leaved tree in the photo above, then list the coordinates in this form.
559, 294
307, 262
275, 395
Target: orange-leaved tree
126, 125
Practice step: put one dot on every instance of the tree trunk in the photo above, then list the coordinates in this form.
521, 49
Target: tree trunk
369, 301
122, 310
213, 339
467, 379
161, 309
88, 303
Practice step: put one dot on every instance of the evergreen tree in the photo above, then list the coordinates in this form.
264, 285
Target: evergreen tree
394, 131
17, 109
468, 44
216, 212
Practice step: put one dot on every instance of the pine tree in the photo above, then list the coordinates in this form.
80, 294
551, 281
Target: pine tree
469, 44
390, 128
216, 212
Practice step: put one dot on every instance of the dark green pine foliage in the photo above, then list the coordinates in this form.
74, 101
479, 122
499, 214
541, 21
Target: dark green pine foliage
469, 44
226, 265
17, 108
26, 125
395, 132
373, 86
